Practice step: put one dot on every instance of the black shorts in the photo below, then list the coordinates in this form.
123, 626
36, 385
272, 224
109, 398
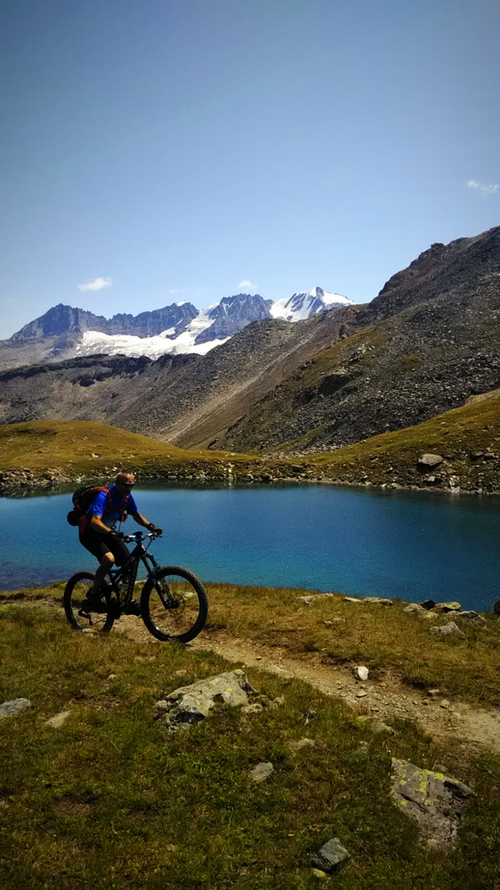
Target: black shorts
98, 545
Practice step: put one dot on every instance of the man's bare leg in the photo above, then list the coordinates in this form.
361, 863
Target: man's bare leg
106, 563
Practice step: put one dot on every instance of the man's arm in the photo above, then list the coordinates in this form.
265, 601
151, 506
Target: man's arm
141, 520
97, 525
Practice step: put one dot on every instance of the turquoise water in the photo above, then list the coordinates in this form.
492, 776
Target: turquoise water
410, 545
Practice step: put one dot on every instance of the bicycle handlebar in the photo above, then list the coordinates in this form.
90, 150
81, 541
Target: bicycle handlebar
139, 536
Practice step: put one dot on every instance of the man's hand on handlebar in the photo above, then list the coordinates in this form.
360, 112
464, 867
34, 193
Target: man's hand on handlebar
154, 528
116, 535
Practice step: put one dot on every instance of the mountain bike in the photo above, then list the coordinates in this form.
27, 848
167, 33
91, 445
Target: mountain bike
173, 602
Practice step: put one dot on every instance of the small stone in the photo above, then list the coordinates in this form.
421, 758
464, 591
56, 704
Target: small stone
360, 673
361, 693
330, 856
279, 700
448, 607
433, 692
261, 772
414, 607
58, 720
254, 708
449, 629
352, 599
318, 874
379, 726
472, 617
445, 704
496, 607
427, 604
381, 600
298, 744
112, 677
16, 706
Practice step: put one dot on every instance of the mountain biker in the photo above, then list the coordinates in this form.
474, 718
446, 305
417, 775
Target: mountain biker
100, 537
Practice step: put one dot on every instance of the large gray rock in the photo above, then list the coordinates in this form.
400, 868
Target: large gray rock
429, 460
470, 616
10, 708
191, 704
437, 802
330, 856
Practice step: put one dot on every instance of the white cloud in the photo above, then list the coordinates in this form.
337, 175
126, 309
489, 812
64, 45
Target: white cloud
96, 284
247, 283
481, 187
173, 291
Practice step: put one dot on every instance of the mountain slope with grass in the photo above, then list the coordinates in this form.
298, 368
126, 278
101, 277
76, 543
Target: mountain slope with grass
465, 441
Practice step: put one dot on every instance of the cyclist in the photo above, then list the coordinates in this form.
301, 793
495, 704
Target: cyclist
100, 537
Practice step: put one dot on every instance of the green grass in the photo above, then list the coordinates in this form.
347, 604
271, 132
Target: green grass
70, 444
385, 459
110, 801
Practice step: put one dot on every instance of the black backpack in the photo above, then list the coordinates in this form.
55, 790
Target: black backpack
82, 501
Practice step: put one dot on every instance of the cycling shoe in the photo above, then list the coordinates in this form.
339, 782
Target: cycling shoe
93, 603
133, 608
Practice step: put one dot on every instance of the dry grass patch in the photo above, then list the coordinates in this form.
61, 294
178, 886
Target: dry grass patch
384, 638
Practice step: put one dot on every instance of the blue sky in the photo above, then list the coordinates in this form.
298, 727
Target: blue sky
176, 148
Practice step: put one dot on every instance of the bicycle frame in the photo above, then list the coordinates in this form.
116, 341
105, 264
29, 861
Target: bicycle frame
130, 568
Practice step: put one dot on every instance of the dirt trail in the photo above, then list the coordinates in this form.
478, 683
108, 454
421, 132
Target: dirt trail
380, 700
453, 719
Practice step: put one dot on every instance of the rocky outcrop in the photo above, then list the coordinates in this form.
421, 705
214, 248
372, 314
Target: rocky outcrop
63, 319
191, 704
427, 345
436, 802
233, 314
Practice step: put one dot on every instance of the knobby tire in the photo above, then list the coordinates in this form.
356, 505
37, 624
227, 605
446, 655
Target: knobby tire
187, 586
105, 621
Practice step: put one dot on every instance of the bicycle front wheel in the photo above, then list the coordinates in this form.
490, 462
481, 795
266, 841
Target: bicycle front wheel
79, 614
174, 604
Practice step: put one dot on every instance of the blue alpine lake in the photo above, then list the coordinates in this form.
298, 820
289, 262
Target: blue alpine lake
404, 544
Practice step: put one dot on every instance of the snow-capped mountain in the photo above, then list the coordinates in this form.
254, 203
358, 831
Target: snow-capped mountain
301, 306
176, 329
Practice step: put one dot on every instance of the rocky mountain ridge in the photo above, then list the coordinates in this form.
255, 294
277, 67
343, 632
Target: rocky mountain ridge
180, 328
428, 341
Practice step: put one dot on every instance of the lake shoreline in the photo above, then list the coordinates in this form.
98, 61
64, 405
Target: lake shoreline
26, 481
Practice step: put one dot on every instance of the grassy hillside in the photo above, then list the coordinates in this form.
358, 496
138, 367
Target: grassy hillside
83, 448
109, 800
468, 438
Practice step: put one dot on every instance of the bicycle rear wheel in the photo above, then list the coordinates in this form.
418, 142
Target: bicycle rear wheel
174, 604
79, 614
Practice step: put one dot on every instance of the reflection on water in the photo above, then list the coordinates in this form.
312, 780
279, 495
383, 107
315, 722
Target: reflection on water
410, 545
